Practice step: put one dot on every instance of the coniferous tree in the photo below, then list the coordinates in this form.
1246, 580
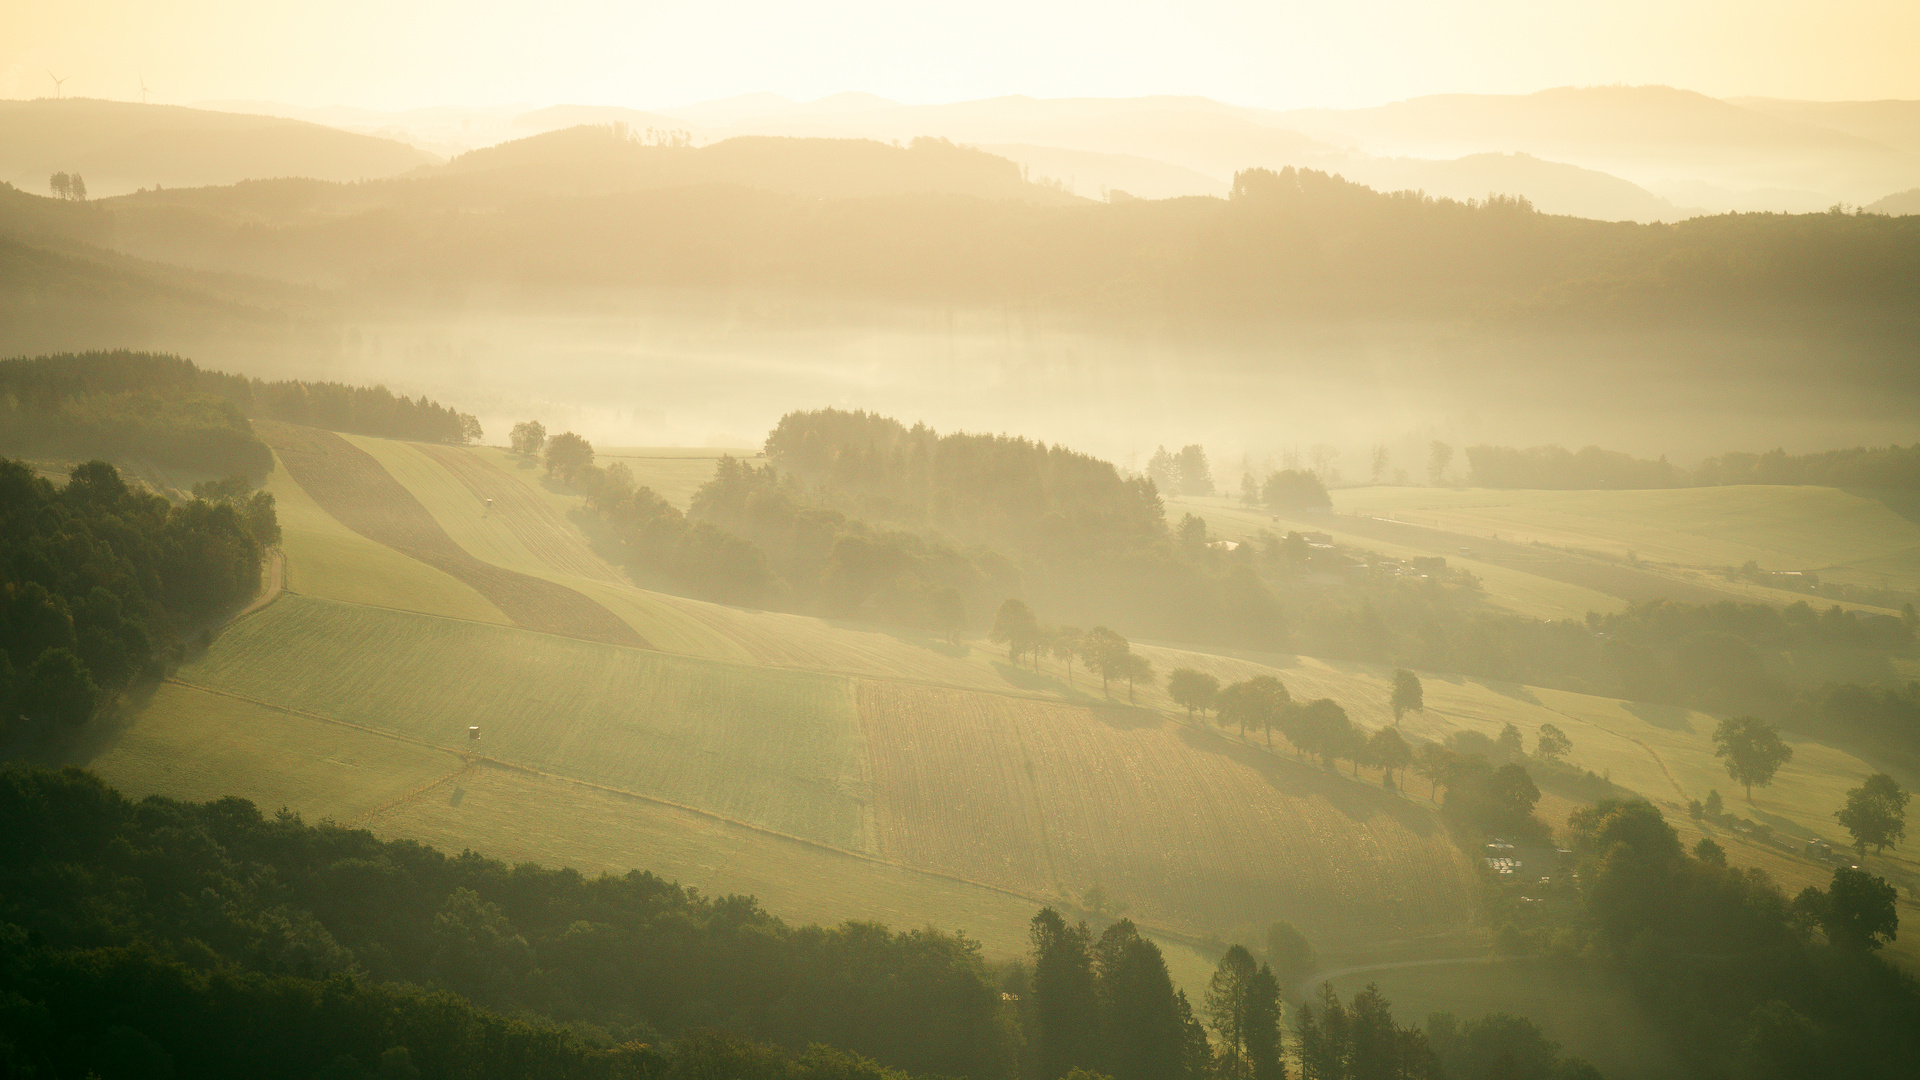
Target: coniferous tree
1142, 1029
1064, 1004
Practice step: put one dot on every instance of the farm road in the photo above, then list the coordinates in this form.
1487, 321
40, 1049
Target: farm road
351, 485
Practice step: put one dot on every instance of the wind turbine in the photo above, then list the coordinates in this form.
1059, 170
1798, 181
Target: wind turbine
57, 81
143, 88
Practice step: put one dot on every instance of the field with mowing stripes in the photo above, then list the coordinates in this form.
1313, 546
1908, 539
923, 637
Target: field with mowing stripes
834, 770
774, 748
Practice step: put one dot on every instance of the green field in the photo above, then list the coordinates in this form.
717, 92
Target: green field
1845, 536
843, 771
677, 728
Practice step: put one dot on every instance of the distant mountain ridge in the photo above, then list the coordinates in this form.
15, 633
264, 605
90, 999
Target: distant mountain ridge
123, 146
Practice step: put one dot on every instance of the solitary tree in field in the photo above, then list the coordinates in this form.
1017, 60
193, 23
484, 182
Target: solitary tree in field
1752, 749
1408, 695
1194, 690
567, 454
1015, 627
1876, 813
529, 437
1551, 743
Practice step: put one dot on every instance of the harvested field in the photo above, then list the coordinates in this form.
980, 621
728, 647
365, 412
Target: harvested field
350, 485
1186, 827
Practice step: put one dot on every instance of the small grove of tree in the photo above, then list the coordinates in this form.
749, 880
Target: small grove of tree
68, 186
1291, 490
1408, 694
1857, 911
1106, 1007
567, 455
1875, 813
528, 438
1259, 703
1752, 749
1551, 744
1321, 728
1290, 953
1244, 1010
1193, 690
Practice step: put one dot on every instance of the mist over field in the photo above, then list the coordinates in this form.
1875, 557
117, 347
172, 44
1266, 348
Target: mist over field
835, 542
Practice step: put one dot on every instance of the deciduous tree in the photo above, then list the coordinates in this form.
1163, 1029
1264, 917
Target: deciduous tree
1408, 695
1551, 743
1015, 627
529, 437
1876, 813
1193, 690
1752, 749
567, 454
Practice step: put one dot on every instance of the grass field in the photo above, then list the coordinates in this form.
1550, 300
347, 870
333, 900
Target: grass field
680, 729
327, 559
1844, 537
936, 784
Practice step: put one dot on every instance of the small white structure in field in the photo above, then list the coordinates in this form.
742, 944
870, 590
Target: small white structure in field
473, 733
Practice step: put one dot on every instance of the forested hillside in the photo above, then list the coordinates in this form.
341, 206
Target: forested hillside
132, 405
1285, 246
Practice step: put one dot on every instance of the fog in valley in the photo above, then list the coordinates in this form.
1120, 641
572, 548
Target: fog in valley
1015, 542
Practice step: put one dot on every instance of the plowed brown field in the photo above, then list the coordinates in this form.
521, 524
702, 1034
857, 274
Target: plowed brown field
350, 485
1189, 829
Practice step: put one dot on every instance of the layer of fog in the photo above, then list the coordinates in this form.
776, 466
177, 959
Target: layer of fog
1327, 397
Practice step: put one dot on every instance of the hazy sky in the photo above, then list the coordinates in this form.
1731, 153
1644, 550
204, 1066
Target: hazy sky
405, 53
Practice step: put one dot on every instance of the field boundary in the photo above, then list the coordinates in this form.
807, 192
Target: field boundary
356, 490
479, 760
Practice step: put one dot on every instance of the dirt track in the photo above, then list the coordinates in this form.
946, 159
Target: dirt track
351, 485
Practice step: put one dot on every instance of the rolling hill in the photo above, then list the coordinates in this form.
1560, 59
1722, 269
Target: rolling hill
120, 147
744, 745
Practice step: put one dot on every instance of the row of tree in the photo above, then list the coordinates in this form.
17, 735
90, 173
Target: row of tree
1886, 468
1106, 1005
1100, 649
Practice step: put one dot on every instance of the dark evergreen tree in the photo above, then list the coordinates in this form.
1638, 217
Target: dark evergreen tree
1065, 1008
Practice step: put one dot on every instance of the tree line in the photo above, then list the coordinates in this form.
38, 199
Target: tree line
98, 579
1105, 1005
1881, 468
125, 404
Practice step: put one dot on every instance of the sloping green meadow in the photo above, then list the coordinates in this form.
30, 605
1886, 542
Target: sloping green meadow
778, 749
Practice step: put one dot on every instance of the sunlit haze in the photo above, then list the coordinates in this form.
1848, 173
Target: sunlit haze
393, 55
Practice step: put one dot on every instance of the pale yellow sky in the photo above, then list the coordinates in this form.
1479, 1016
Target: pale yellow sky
391, 54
